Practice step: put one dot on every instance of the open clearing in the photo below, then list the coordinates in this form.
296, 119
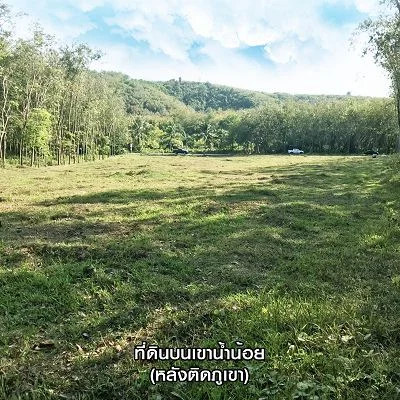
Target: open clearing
298, 255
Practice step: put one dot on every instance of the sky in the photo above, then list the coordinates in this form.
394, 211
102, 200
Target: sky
267, 45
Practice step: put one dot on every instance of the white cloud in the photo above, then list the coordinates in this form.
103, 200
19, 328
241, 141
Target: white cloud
282, 53
58, 20
257, 35
142, 27
371, 7
87, 5
310, 56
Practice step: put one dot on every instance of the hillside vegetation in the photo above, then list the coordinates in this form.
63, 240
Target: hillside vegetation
175, 97
205, 97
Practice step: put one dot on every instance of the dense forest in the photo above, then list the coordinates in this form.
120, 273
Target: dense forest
205, 97
55, 110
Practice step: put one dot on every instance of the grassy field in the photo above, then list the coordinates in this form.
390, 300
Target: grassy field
298, 255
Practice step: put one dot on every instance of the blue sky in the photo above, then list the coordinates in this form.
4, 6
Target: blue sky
268, 45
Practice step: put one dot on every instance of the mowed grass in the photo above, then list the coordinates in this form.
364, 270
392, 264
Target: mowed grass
298, 255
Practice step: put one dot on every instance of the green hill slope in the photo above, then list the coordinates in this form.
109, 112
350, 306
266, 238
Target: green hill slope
206, 96
144, 97
177, 97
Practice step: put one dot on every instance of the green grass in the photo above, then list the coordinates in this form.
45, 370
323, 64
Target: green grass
299, 255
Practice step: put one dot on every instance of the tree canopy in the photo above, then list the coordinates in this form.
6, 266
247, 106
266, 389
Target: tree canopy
384, 44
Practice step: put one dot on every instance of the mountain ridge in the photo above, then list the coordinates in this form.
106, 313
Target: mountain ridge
177, 96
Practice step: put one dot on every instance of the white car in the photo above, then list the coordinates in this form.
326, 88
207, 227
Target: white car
295, 151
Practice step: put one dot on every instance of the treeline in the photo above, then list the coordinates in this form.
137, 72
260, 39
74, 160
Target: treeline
330, 127
342, 126
55, 110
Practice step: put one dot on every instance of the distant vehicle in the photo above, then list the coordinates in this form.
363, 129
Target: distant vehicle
295, 151
371, 153
180, 151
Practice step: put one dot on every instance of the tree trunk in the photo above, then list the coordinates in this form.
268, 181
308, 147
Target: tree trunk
2, 149
21, 149
397, 92
398, 144
3, 161
398, 120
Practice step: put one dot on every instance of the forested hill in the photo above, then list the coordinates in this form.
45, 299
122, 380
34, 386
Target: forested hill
206, 96
176, 97
143, 97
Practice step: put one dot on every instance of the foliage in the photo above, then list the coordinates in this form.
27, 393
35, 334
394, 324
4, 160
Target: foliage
384, 44
205, 96
41, 82
38, 134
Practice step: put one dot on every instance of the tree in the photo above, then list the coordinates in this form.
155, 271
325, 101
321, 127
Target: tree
6, 103
38, 134
6, 67
384, 44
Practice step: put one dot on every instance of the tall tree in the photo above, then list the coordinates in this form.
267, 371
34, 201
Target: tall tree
6, 68
384, 44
